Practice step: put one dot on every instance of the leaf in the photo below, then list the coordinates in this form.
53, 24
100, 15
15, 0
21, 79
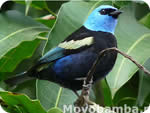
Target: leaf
53, 6
55, 110
144, 84
28, 3
145, 21
21, 102
134, 40
39, 4
73, 22
47, 93
25, 50
16, 28
120, 4
28, 87
141, 10
48, 23
45, 5
144, 78
122, 97
70, 24
103, 93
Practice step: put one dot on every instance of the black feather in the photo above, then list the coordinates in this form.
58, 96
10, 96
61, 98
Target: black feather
82, 60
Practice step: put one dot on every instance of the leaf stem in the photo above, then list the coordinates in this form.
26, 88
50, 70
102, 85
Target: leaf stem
51, 12
58, 97
42, 38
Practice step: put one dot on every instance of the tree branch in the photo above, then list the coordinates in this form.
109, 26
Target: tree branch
87, 82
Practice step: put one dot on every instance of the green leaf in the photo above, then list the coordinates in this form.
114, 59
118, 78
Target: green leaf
16, 28
120, 4
55, 110
54, 6
145, 21
39, 4
29, 87
71, 23
122, 97
28, 3
144, 84
50, 95
48, 23
45, 5
102, 93
68, 26
21, 102
134, 40
25, 50
144, 79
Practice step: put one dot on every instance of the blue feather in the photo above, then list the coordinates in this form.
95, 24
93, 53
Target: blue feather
98, 22
73, 58
74, 65
52, 55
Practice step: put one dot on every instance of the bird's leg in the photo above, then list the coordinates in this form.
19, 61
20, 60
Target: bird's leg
87, 86
86, 91
89, 102
80, 102
83, 99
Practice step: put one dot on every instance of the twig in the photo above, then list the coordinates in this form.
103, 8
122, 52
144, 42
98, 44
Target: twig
86, 86
48, 17
130, 58
91, 72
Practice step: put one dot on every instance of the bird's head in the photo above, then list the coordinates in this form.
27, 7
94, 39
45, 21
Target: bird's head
104, 18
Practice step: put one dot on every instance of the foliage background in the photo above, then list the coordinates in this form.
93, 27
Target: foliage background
29, 29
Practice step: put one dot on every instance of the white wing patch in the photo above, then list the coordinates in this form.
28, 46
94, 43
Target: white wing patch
76, 44
82, 78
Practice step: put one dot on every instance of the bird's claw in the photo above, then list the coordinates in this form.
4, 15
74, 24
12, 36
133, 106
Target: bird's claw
89, 102
80, 102
88, 86
83, 101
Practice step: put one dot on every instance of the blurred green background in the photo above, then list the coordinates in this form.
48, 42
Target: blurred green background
28, 29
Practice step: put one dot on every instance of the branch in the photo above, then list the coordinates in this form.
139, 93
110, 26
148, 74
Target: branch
91, 72
88, 80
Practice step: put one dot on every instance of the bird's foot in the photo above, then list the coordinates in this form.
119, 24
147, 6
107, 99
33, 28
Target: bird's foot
88, 85
80, 102
89, 102
83, 101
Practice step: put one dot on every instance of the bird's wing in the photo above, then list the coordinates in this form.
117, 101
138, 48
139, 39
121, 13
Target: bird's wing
52, 55
76, 42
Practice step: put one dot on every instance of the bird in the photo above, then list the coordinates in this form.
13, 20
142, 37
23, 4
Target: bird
69, 62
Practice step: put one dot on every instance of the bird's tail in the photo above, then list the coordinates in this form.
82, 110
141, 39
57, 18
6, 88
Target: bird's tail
18, 79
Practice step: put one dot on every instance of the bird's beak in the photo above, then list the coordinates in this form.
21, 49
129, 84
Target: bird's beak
116, 13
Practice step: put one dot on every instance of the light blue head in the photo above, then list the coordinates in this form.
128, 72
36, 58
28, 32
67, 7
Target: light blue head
103, 18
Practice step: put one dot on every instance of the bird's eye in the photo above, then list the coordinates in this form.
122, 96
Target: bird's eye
103, 12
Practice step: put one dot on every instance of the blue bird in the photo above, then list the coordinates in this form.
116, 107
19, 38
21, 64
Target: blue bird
69, 63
